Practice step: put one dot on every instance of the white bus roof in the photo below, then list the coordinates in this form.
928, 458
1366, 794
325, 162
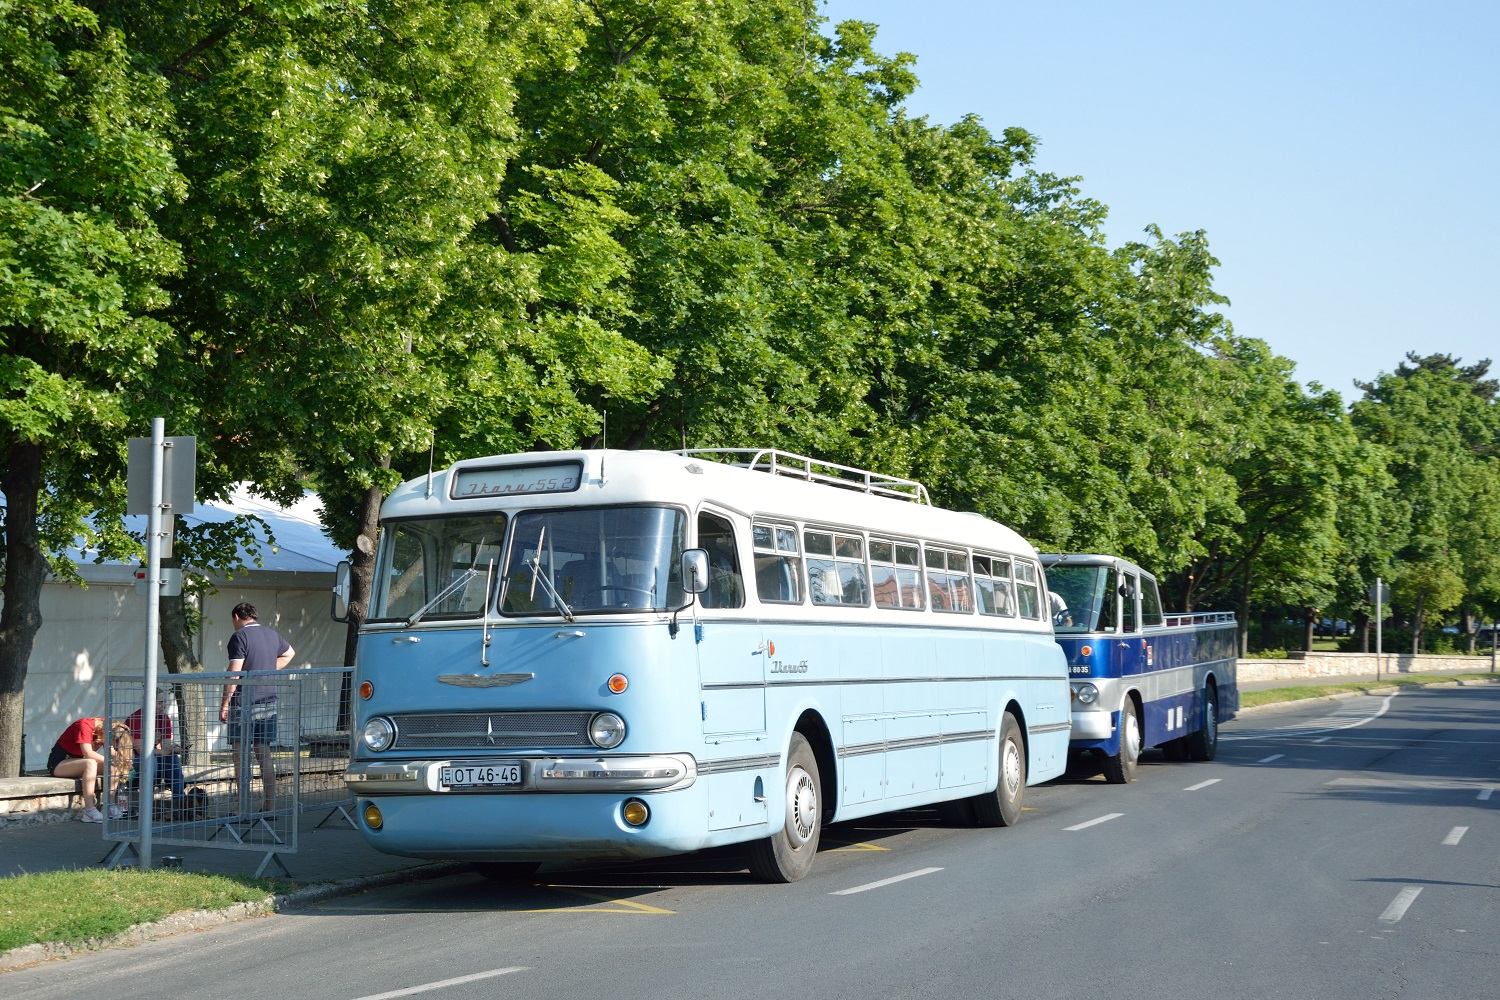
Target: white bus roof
630, 477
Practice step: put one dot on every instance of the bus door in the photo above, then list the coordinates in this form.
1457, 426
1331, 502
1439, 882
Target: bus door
732, 656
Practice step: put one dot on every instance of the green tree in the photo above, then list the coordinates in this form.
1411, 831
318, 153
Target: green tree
85, 165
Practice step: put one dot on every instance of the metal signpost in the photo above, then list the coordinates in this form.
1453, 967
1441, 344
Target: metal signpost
1380, 594
160, 480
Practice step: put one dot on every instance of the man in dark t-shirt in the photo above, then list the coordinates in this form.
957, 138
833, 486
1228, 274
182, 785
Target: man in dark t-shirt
254, 647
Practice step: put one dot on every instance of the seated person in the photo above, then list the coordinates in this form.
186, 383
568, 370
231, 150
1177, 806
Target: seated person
168, 753
76, 754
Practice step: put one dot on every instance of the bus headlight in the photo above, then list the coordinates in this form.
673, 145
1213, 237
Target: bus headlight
380, 733
1086, 694
607, 730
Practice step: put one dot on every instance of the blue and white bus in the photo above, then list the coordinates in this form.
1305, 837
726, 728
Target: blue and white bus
1140, 678
611, 654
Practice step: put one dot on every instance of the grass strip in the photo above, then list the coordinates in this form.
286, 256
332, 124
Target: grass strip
1270, 696
78, 905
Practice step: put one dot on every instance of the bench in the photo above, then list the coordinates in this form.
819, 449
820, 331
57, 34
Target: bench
38, 798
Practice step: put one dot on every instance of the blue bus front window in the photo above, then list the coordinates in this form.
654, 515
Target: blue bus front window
597, 559
1088, 593
438, 567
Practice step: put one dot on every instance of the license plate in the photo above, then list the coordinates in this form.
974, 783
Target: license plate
480, 775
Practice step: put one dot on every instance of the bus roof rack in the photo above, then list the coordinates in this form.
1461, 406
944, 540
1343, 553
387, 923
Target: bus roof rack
814, 470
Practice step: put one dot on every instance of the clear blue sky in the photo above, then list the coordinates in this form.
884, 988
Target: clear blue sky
1342, 157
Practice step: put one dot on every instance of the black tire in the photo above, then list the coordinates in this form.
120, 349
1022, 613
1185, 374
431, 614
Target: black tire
956, 812
787, 855
507, 872
1120, 769
1203, 744
1002, 807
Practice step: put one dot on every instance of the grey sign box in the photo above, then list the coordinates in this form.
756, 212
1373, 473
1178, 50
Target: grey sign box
179, 478
1380, 593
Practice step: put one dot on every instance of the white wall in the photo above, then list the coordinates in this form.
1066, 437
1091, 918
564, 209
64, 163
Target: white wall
90, 633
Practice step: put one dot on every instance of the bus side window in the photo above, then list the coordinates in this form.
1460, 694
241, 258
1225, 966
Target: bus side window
1028, 595
1150, 603
778, 563
1133, 589
895, 574
726, 589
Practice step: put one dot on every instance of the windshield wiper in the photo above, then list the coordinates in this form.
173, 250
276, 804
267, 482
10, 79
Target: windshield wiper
539, 575
458, 581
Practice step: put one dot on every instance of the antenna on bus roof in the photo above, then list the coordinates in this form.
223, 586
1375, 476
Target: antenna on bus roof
431, 450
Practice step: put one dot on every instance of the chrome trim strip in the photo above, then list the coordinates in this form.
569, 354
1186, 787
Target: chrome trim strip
1051, 727
913, 743
727, 765
751, 685
650, 773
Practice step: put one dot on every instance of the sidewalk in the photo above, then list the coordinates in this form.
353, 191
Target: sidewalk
333, 852
1481, 666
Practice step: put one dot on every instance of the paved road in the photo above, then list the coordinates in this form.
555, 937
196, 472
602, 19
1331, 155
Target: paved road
1334, 850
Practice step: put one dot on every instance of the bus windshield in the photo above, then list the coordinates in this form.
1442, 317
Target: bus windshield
438, 567
599, 559
1082, 598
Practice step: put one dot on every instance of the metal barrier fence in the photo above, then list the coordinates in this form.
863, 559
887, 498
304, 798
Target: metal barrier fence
214, 787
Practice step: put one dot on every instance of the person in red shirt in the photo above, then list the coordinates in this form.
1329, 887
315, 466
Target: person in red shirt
168, 763
76, 755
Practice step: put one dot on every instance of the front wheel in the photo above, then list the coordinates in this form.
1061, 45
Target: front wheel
788, 855
1203, 744
1002, 807
1120, 768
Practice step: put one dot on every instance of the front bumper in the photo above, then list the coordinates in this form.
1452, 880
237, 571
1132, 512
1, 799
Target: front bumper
644, 773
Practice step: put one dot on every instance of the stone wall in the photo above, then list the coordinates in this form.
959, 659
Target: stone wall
32, 801
1302, 665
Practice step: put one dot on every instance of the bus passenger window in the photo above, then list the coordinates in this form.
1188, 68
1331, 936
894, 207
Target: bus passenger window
778, 563
895, 574
725, 586
1028, 594
1133, 589
948, 581
999, 588
836, 569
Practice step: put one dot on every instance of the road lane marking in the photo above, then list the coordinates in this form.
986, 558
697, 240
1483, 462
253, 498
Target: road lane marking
1350, 718
846, 845
885, 881
1397, 909
1205, 784
1092, 822
1454, 836
1484, 795
1267, 760
444, 983
1323, 740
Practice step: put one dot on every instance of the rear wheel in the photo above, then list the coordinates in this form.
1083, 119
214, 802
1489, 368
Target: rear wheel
788, 855
1120, 768
1002, 807
1203, 744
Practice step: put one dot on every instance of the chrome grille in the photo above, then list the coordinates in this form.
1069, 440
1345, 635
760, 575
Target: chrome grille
493, 730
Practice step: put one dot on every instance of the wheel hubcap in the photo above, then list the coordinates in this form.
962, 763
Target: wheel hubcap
801, 806
1132, 745
1010, 769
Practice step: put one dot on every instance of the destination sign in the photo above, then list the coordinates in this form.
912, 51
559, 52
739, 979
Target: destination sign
516, 480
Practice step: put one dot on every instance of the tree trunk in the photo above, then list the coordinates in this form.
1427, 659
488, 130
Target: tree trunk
361, 584
21, 617
1244, 616
1309, 626
1362, 622
1416, 625
1467, 626
179, 657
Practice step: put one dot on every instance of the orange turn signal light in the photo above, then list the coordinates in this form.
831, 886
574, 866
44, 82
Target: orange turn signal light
618, 683
366, 689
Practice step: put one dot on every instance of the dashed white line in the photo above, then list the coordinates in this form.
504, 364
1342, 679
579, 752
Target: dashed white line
1267, 760
885, 881
444, 983
1205, 784
1485, 793
1454, 836
1093, 822
1323, 740
1397, 909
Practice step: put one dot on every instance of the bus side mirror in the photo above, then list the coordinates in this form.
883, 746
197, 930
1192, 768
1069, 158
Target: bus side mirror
341, 587
695, 571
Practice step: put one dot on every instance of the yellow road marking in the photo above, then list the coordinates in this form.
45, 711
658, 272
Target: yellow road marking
847, 846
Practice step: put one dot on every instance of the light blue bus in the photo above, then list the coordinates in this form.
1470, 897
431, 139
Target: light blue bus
1141, 677
612, 654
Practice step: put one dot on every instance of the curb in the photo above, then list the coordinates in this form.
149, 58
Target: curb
1382, 689
198, 920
